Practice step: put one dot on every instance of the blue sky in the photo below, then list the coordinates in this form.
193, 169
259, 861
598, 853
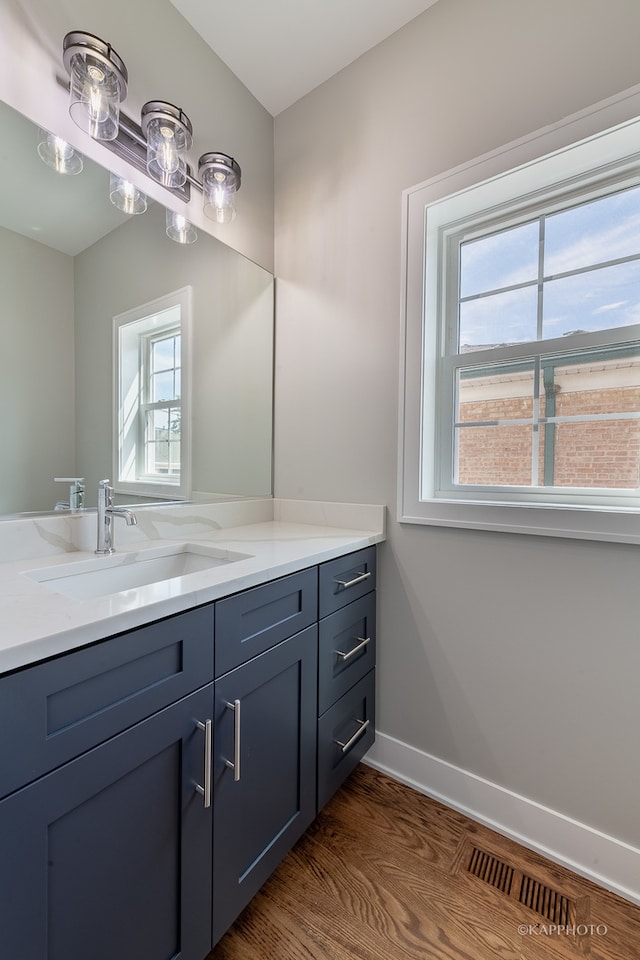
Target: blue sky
602, 230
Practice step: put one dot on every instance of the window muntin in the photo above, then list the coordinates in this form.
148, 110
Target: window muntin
567, 421
515, 426
160, 406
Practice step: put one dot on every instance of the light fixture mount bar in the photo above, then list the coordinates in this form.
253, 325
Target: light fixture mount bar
131, 145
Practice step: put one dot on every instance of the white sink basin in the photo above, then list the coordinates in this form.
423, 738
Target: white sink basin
103, 576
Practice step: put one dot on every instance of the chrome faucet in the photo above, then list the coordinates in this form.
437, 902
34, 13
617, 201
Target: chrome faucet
106, 512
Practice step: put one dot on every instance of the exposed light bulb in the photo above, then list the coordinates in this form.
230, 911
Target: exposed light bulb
98, 84
168, 133
220, 181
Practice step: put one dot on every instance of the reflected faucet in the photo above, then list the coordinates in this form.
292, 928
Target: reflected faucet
76, 494
106, 512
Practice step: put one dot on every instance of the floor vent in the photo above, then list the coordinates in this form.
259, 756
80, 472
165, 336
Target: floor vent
519, 886
492, 870
545, 900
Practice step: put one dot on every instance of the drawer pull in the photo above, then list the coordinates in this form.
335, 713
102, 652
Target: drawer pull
350, 742
347, 656
345, 584
235, 766
205, 791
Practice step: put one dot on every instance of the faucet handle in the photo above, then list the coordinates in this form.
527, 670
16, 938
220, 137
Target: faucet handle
105, 493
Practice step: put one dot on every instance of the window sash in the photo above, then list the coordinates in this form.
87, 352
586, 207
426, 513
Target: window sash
135, 334
598, 142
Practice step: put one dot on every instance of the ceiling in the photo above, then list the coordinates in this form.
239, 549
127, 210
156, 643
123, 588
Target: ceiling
282, 49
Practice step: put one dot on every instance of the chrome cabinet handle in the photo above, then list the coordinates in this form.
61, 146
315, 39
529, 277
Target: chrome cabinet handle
205, 791
350, 742
235, 766
345, 584
347, 656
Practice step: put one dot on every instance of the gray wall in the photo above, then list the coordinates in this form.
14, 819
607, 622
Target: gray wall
513, 657
36, 373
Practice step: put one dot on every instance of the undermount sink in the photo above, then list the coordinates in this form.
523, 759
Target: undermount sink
103, 576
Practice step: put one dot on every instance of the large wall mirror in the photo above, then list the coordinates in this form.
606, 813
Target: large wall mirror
69, 263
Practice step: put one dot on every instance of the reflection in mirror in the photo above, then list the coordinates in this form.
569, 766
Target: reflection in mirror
69, 263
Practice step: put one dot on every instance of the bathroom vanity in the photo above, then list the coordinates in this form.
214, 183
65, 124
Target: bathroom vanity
153, 777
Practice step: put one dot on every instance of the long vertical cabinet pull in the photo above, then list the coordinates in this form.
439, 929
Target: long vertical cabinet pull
205, 791
235, 766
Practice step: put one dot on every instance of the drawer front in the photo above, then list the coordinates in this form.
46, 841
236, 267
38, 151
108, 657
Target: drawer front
251, 622
347, 649
345, 733
346, 579
54, 711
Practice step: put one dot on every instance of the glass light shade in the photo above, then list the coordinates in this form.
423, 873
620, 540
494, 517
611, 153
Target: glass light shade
58, 154
98, 84
180, 229
126, 196
169, 136
220, 182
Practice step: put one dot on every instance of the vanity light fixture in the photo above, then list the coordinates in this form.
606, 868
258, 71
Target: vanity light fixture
98, 84
58, 154
221, 179
179, 228
169, 136
159, 145
126, 196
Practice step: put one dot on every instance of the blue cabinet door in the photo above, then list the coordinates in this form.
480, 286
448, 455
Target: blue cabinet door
109, 856
264, 769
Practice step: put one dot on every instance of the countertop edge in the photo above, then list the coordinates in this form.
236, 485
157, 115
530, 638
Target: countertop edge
73, 625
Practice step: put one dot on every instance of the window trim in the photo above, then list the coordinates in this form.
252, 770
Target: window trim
620, 524
146, 486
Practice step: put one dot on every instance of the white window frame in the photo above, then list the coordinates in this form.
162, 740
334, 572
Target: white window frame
131, 333
608, 132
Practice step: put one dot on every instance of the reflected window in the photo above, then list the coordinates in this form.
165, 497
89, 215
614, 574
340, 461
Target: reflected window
152, 442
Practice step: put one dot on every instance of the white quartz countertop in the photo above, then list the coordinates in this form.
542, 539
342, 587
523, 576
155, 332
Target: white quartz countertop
273, 537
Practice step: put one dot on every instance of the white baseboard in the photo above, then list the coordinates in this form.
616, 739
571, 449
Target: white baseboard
610, 863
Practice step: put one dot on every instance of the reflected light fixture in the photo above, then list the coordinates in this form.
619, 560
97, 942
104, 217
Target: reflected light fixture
179, 228
126, 196
221, 178
98, 84
58, 154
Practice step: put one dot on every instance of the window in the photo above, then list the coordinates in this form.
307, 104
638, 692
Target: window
152, 349
521, 369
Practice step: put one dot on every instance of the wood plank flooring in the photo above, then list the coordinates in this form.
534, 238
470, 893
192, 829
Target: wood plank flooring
385, 873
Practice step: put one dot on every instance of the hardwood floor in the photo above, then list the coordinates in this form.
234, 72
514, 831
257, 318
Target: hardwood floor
388, 874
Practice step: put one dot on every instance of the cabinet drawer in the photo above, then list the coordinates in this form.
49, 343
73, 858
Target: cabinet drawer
252, 621
347, 649
56, 710
345, 579
345, 733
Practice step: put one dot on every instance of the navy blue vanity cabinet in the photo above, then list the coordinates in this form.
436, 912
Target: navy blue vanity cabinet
346, 667
265, 735
108, 852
